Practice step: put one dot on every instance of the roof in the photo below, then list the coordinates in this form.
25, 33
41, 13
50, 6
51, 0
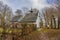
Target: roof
16, 18
31, 17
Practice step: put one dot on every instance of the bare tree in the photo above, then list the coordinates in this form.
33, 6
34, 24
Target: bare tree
18, 12
25, 9
50, 16
58, 14
5, 16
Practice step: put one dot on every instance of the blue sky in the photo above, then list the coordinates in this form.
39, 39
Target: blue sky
18, 4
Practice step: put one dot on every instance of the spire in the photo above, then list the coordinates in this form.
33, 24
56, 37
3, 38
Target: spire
31, 10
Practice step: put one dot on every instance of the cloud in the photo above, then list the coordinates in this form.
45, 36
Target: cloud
39, 3
8, 3
35, 3
4, 1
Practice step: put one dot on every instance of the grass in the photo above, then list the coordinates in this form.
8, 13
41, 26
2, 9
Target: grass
51, 34
1, 30
47, 31
10, 30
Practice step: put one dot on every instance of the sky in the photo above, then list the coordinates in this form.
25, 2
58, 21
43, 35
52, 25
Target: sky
19, 4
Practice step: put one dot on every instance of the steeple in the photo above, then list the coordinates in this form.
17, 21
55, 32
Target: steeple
31, 10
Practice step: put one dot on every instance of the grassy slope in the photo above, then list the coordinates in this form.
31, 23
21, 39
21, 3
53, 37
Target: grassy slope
43, 34
46, 34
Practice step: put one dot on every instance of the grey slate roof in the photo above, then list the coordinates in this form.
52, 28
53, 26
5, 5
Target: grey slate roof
31, 17
16, 18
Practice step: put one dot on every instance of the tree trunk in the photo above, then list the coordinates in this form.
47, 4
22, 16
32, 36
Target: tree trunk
53, 22
56, 22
